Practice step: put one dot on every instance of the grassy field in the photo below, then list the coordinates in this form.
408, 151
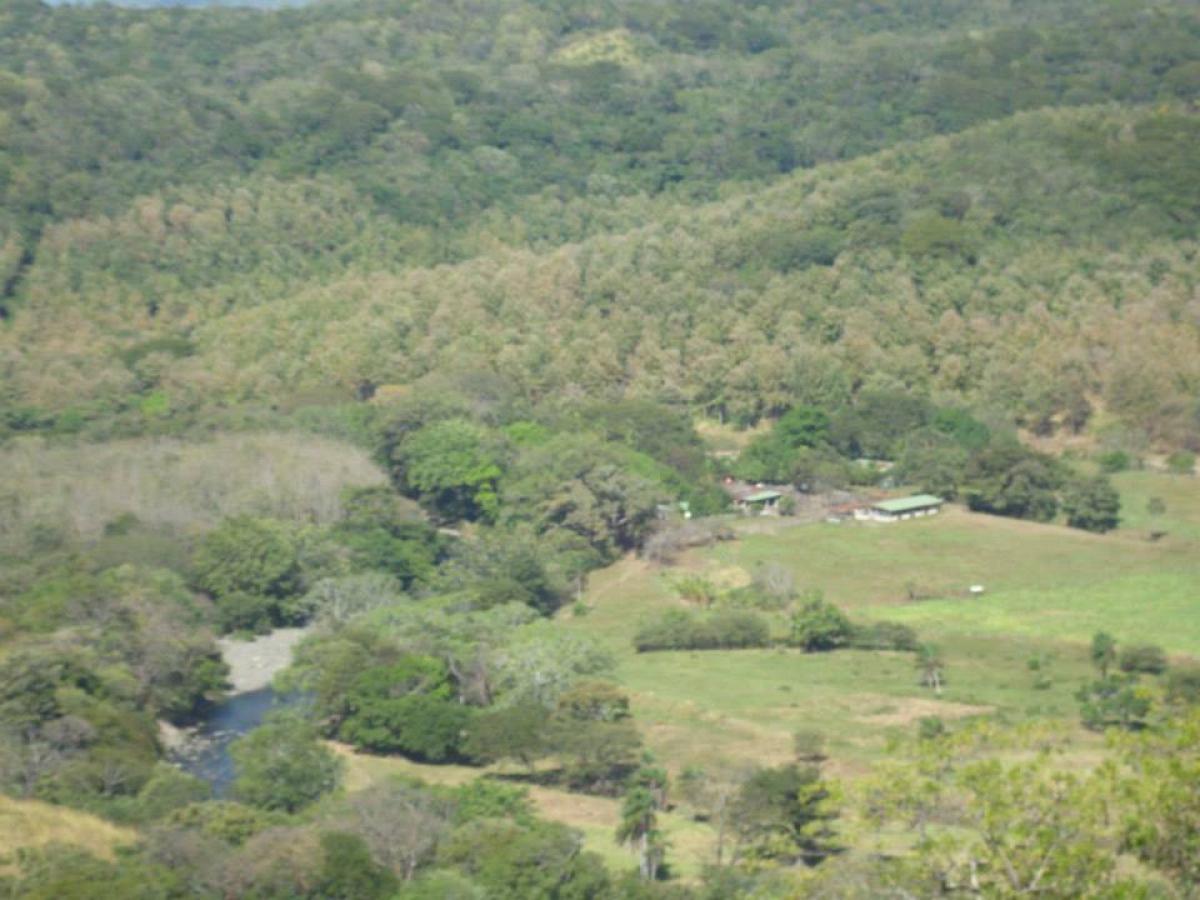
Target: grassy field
1047, 590
1180, 495
30, 823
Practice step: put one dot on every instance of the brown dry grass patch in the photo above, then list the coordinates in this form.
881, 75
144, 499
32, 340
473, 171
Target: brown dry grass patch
902, 711
31, 823
579, 810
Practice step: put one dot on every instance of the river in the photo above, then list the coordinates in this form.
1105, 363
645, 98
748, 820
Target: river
203, 751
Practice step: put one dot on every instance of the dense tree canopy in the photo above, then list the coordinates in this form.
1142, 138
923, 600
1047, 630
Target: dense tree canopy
611, 202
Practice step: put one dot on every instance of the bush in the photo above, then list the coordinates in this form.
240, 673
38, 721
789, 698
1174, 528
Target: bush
247, 555
1181, 463
697, 589
884, 636
409, 707
255, 570
1147, 658
510, 732
680, 630
733, 628
930, 728
1114, 700
349, 873
240, 611
1183, 685
809, 746
1114, 461
169, 790
1092, 504
282, 765
820, 626
667, 543
228, 821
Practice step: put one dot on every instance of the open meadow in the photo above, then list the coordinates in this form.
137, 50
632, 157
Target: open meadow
1047, 590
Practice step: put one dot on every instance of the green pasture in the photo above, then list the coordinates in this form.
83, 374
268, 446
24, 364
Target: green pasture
1135, 607
1047, 590
860, 565
1180, 494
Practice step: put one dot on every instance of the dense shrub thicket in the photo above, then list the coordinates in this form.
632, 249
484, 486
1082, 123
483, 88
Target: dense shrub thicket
722, 630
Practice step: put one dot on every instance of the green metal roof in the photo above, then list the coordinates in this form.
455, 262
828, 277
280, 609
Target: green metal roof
908, 504
761, 496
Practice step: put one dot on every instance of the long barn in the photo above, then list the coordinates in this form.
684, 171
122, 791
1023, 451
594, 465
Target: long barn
913, 507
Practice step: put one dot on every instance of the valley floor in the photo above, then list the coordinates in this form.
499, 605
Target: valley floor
1048, 589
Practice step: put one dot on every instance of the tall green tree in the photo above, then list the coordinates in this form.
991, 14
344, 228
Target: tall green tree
1018, 827
454, 468
784, 813
639, 829
282, 765
1092, 504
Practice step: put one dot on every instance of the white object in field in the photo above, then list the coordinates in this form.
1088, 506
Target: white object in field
976, 589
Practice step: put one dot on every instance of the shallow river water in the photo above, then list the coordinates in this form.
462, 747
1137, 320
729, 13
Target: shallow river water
203, 751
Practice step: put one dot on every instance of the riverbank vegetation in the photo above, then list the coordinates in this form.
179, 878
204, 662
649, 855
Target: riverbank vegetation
448, 332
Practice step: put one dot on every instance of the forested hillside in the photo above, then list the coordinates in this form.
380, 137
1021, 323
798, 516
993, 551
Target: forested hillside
222, 206
427, 360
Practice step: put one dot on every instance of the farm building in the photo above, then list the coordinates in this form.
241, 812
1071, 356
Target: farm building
757, 498
900, 508
761, 503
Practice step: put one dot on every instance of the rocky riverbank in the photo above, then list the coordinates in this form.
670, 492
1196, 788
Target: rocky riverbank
252, 664
203, 749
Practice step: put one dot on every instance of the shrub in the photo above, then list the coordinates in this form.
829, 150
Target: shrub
669, 541
752, 596
680, 630
282, 765
1181, 463
819, 626
733, 628
1114, 461
166, 791
594, 701
510, 732
1114, 700
349, 873
930, 728
697, 589
1092, 504
240, 611
250, 566
226, 820
1147, 658
776, 582
409, 707
809, 746
884, 636
1183, 685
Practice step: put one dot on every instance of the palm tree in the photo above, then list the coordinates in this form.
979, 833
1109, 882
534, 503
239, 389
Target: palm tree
931, 666
639, 829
